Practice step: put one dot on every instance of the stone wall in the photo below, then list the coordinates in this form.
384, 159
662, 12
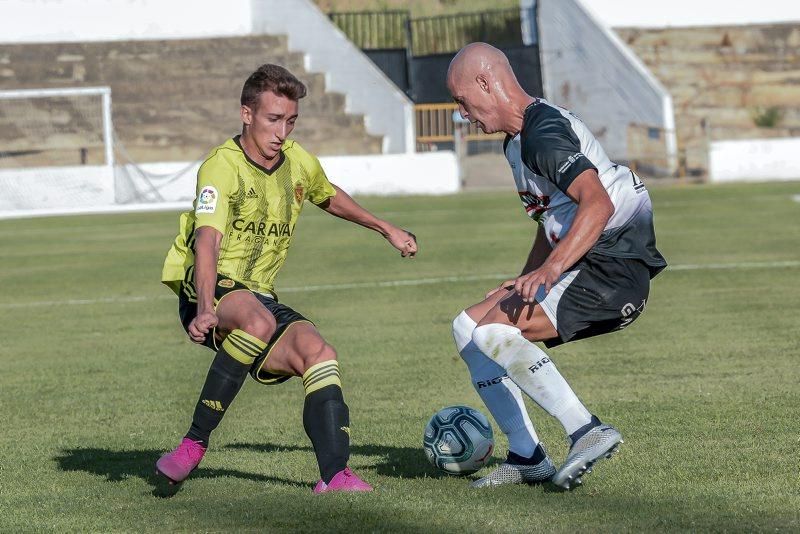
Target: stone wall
723, 81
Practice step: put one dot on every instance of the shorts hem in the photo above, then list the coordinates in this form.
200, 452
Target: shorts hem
275, 378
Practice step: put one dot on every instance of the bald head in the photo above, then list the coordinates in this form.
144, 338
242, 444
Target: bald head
484, 86
478, 58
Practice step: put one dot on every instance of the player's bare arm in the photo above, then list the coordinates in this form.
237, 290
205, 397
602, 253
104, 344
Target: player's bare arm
207, 242
594, 210
343, 206
540, 250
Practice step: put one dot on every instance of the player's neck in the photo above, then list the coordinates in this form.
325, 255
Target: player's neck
517, 116
251, 149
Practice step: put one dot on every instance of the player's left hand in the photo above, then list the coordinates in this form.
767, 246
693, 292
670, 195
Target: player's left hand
527, 285
404, 241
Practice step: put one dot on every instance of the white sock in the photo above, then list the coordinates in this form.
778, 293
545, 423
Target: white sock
500, 395
531, 369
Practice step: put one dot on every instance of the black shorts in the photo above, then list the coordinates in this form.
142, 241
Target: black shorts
284, 317
599, 294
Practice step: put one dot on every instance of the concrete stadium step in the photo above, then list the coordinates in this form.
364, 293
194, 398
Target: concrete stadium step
176, 99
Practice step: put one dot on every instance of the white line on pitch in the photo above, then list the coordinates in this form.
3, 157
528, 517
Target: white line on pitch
396, 283
739, 265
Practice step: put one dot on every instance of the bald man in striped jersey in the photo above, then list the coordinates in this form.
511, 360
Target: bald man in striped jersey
588, 271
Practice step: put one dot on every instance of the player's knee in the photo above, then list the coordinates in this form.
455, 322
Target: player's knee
261, 326
321, 352
463, 325
494, 339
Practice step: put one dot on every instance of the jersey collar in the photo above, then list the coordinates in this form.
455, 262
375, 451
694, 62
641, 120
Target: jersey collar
281, 158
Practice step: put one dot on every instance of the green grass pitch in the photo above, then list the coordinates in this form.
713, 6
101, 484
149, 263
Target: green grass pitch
97, 378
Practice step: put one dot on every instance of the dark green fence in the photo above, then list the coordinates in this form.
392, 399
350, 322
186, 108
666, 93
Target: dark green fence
374, 30
440, 35
429, 35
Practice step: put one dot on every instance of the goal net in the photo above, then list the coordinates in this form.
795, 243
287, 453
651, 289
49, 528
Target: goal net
59, 154
56, 148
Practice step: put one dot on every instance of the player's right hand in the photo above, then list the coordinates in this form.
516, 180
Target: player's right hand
201, 325
505, 286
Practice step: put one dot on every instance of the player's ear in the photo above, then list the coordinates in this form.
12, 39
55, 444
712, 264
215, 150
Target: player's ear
482, 82
247, 114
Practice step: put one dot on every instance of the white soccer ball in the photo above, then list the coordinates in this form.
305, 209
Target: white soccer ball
458, 440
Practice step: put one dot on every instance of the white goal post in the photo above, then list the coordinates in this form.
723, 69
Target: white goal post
56, 149
103, 92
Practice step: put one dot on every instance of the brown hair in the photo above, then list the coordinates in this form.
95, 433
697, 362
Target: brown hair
274, 78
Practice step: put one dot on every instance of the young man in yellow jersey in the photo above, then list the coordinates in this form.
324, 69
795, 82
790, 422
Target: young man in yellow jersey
250, 191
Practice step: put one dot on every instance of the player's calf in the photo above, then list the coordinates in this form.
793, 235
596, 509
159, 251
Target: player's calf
225, 378
326, 420
500, 395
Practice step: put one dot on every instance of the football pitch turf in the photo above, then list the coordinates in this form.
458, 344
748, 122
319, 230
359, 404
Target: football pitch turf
97, 378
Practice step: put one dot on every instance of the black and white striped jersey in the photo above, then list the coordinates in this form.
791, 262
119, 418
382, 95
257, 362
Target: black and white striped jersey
551, 150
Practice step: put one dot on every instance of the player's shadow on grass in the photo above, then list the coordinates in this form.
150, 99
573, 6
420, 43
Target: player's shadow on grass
117, 466
391, 461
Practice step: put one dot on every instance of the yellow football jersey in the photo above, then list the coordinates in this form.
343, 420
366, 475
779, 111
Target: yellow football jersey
254, 208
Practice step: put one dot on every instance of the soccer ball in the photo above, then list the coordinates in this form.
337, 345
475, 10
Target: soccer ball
458, 440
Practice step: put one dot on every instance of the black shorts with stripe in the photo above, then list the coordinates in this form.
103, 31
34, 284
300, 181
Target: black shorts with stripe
598, 295
284, 317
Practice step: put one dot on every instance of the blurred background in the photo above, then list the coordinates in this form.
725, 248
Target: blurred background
110, 105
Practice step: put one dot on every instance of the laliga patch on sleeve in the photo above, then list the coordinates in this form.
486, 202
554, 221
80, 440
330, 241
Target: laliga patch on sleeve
207, 201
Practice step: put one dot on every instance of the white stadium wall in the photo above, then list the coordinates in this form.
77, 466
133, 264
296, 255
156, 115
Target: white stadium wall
52, 21
589, 70
681, 13
754, 160
428, 173
88, 189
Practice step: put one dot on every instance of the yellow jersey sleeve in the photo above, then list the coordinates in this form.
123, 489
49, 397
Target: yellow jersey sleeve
216, 184
319, 188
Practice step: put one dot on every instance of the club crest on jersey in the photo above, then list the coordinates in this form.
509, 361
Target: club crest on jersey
534, 205
207, 200
298, 193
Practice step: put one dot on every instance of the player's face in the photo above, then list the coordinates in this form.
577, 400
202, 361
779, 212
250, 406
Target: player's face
270, 123
475, 104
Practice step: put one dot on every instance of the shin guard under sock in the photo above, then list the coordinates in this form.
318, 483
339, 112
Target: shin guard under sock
224, 380
326, 418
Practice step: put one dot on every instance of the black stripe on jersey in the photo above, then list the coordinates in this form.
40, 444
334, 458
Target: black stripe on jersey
190, 239
550, 147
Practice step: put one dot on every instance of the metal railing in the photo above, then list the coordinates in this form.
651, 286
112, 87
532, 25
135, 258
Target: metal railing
442, 34
374, 30
435, 125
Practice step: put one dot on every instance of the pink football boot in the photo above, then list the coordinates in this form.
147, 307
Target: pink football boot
177, 465
344, 480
